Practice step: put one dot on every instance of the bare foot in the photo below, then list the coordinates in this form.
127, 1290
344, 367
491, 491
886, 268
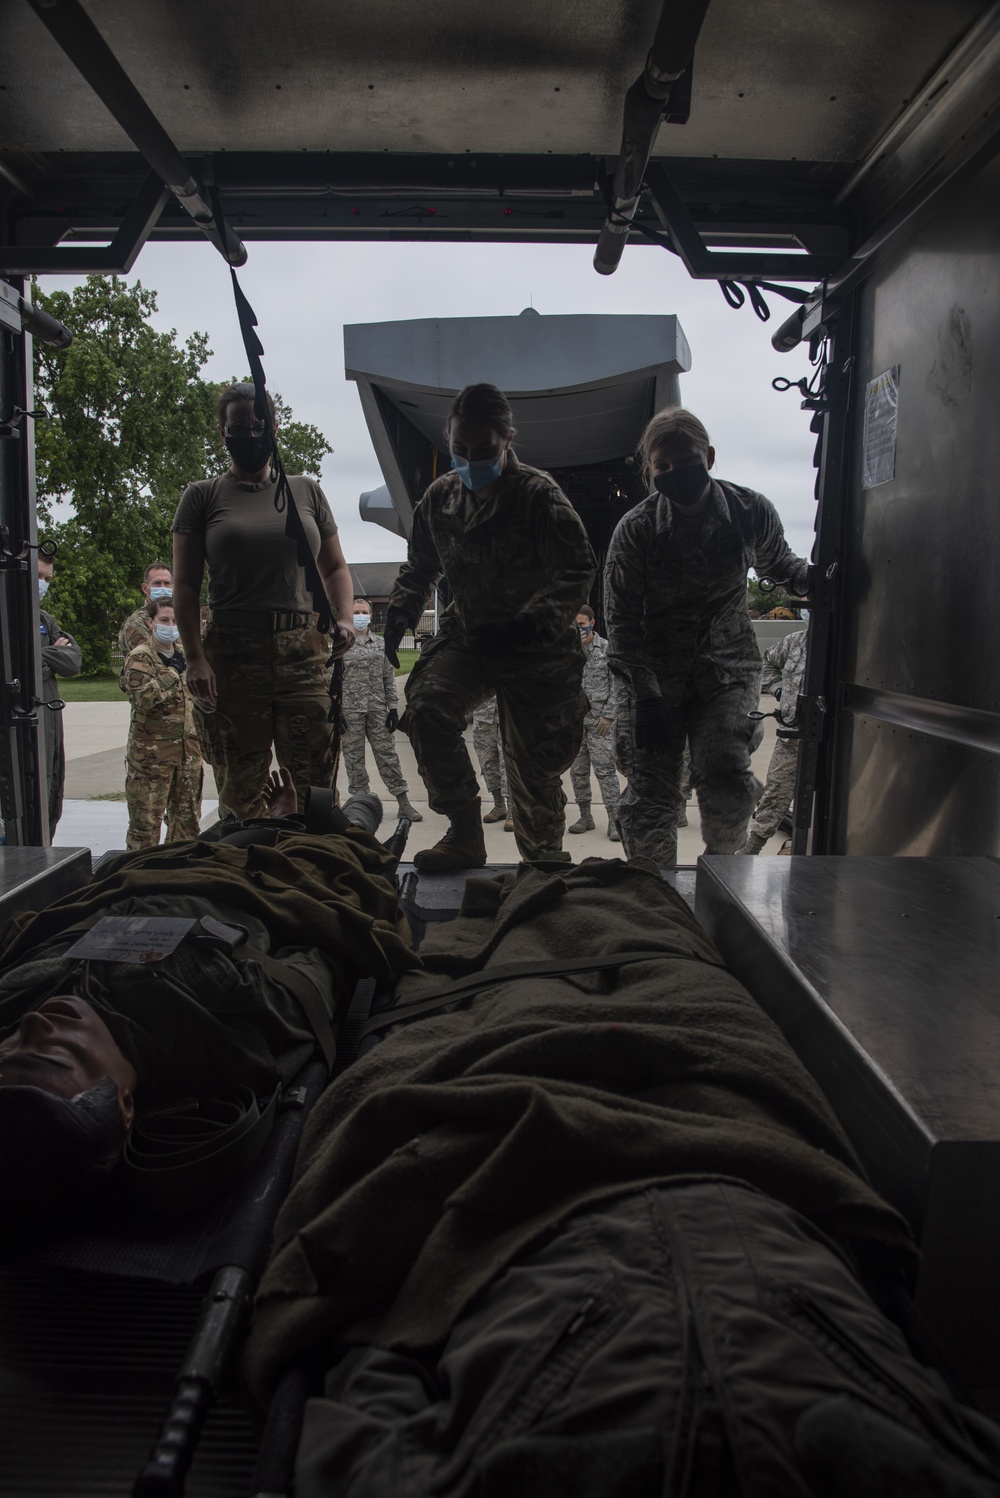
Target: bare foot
279, 792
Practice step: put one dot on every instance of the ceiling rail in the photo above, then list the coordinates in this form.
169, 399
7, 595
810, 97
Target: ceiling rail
69, 24
663, 91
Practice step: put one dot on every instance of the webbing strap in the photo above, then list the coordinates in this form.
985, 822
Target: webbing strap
284, 499
183, 1156
429, 1000
309, 998
353, 1029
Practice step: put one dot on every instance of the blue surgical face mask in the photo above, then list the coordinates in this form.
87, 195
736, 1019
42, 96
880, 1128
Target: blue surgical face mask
362, 621
161, 591
43, 587
478, 474
804, 615
585, 630
167, 634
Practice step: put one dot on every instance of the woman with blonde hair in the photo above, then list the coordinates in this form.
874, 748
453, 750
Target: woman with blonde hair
681, 641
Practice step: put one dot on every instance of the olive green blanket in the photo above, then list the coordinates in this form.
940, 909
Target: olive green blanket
465, 1136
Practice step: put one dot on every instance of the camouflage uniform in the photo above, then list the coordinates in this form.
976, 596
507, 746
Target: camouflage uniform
784, 669
369, 695
57, 660
273, 687
137, 630
163, 768
522, 550
595, 750
489, 749
678, 629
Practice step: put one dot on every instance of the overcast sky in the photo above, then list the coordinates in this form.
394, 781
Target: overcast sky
304, 294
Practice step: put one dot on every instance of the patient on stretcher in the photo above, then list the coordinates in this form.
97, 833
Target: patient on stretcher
280, 930
582, 1232
595, 1234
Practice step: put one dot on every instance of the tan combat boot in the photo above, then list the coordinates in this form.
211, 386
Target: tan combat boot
585, 822
499, 812
753, 844
462, 847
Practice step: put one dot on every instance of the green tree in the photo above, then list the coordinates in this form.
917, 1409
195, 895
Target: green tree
131, 423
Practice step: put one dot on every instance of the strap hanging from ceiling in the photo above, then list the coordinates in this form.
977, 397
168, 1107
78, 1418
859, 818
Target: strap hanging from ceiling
284, 502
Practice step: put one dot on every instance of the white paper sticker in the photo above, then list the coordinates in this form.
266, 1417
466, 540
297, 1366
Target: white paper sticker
131, 938
881, 403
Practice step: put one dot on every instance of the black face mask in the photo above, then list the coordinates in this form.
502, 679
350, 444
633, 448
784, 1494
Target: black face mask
683, 486
250, 453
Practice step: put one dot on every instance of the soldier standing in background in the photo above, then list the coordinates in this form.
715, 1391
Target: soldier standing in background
784, 669
681, 639
259, 674
163, 766
519, 564
157, 583
489, 752
597, 745
371, 711
61, 656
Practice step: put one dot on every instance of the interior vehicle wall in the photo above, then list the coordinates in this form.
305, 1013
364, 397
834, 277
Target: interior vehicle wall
917, 762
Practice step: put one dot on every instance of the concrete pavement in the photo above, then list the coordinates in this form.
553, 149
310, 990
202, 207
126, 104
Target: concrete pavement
96, 732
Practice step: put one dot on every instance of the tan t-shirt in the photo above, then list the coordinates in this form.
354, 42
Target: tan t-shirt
252, 564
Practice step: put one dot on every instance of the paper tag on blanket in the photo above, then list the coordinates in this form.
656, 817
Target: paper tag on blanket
131, 938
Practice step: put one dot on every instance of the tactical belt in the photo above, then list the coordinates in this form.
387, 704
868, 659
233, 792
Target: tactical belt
430, 1000
182, 1157
260, 621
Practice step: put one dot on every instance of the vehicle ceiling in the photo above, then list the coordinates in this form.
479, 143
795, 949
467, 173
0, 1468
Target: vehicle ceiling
283, 106
773, 80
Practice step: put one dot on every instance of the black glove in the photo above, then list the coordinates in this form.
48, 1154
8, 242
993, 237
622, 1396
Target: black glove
652, 726
503, 635
396, 625
392, 720
178, 662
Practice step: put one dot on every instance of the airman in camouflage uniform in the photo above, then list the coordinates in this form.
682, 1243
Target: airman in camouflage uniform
280, 680
597, 746
370, 705
489, 752
681, 640
157, 582
163, 766
519, 565
783, 673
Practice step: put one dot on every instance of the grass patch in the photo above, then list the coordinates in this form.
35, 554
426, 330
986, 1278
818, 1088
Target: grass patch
108, 796
106, 688
90, 689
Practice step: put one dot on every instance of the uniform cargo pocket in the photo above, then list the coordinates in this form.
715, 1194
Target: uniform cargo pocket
545, 1366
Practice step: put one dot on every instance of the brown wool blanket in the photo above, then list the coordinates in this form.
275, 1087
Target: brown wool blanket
463, 1137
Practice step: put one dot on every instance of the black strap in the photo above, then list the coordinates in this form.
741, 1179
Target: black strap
429, 1000
284, 499
302, 988
182, 1157
353, 1029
